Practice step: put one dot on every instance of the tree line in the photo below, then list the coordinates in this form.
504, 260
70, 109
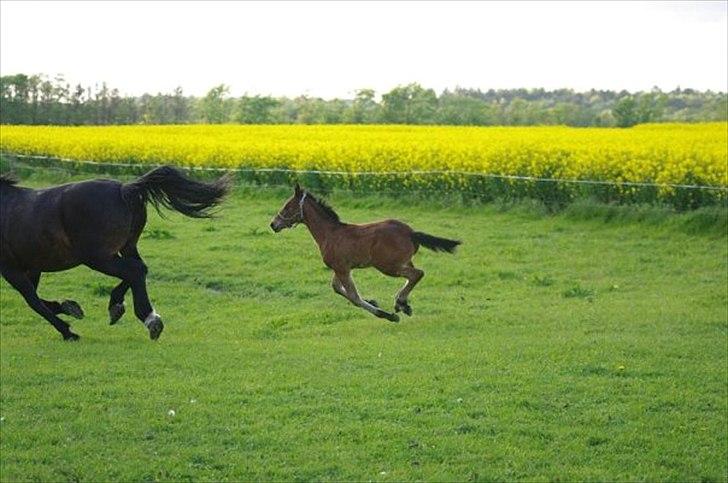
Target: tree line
39, 99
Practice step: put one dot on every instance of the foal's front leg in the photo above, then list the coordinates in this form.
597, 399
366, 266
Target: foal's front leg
339, 289
351, 293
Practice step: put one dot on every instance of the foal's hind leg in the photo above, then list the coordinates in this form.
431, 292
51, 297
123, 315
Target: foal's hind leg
20, 281
413, 276
351, 293
68, 307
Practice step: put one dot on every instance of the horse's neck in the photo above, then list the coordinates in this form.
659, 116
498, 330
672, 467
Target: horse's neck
319, 226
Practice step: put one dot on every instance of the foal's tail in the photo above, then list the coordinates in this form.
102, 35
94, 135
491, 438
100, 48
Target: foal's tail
434, 243
169, 187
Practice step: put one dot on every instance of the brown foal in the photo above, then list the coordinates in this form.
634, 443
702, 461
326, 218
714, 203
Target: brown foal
386, 245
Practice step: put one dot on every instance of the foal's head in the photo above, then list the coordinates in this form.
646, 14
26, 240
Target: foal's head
292, 211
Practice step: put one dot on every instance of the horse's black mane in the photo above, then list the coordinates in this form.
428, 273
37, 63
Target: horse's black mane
8, 179
326, 209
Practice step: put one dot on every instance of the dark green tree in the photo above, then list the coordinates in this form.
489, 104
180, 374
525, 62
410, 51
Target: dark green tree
214, 109
256, 110
364, 109
410, 104
462, 109
625, 112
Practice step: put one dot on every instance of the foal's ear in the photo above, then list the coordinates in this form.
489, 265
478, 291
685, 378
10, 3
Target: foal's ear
297, 189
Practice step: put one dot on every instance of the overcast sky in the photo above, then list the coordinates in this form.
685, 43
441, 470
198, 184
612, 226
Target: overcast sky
331, 49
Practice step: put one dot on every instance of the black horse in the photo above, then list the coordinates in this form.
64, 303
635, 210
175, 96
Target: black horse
95, 223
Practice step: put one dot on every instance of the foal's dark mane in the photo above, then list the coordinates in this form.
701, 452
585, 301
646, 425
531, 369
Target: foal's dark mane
8, 179
326, 209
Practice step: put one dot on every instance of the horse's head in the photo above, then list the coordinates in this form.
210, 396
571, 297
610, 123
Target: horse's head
292, 211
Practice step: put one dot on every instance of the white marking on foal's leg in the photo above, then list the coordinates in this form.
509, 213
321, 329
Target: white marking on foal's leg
338, 287
367, 306
377, 311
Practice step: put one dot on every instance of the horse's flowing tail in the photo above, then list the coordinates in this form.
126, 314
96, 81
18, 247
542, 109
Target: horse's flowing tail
435, 243
169, 187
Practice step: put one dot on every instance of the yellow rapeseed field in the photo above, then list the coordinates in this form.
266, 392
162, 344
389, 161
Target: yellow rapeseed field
652, 153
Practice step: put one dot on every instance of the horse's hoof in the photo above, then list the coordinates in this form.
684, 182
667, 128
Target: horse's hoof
155, 326
71, 337
392, 317
403, 307
115, 313
373, 302
69, 307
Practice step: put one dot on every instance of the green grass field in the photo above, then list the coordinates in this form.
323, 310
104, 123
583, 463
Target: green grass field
550, 347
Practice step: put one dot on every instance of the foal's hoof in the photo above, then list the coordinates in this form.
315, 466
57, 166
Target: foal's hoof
155, 326
69, 307
71, 337
388, 316
373, 302
400, 306
115, 313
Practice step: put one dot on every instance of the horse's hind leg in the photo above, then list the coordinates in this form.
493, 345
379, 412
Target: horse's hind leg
134, 272
413, 276
116, 300
23, 284
68, 307
351, 293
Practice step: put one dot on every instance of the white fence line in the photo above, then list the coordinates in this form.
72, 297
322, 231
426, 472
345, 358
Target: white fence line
378, 173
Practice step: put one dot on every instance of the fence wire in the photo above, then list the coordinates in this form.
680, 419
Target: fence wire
377, 173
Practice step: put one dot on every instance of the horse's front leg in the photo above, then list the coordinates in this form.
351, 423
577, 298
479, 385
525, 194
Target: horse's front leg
67, 307
352, 294
23, 284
